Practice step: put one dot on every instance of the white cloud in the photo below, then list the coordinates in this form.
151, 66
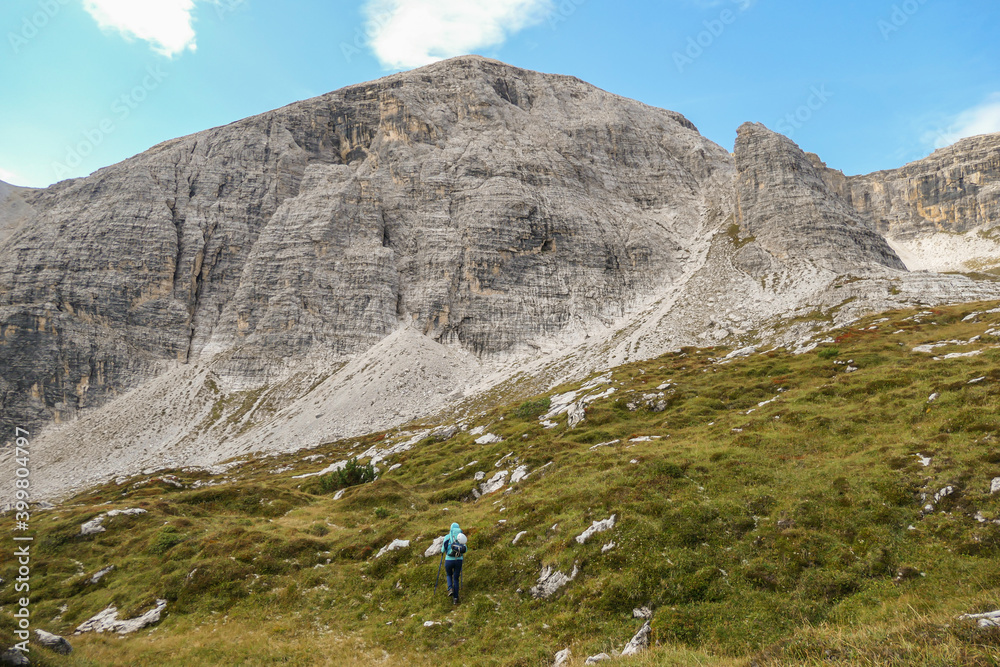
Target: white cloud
981, 119
10, 177
412, 33
165, 24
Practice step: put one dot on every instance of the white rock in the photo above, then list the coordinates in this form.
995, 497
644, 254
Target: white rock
107, 620
576, 414
53, 642
128, 512
494, 483
517, 538
976, 380
990, 619
995, 485
742, 352
594, 659
606, 444
946, 491
93, 526
333, 467
392, 546
608, 547
431, 624
479, 476
520, 473
339, 494
100, 574
596, 527
488, 439
562, 657
933, 397
435, 547
550, 581
642, 612
477, 430
924, 460
640, 642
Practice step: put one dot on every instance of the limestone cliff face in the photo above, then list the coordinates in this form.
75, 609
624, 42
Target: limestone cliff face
786, 204
955, 190
487, 205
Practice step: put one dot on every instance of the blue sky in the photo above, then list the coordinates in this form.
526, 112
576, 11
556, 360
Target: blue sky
866, 84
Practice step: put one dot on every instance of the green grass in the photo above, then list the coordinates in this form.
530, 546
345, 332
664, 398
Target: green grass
759, 534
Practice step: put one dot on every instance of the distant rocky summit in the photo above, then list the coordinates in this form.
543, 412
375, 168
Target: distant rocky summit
348, 262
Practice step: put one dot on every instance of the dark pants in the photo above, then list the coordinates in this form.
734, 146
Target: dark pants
453, 570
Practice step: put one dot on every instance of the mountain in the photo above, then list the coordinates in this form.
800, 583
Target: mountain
432, 241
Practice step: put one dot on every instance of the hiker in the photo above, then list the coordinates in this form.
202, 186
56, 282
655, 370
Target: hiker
453, 549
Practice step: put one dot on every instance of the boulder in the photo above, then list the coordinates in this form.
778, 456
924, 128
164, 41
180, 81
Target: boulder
53, 642
14, 659
392, 546
107, 620
594, 659
550, 581
435, 547
596, 527
640, 642
562, 657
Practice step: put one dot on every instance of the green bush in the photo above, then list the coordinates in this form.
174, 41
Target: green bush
352, 474
828, 352
531, 409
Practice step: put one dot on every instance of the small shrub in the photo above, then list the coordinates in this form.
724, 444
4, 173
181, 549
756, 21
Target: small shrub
166, 538
381, 513
352, 474
318, 529
828, 353
531, 409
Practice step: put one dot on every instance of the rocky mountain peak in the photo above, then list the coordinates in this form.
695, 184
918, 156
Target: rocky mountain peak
792, 211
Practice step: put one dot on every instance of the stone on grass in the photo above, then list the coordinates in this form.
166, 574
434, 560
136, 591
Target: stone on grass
107, 620
14, 658
990, 619
642, 612
995, 486
594, 659
93, 526
640, 642
494, 483
562, 657
550, 581
392, 546
488, 439
576, 414
435, 547
517, 538
53, 642
100, 574
596, 527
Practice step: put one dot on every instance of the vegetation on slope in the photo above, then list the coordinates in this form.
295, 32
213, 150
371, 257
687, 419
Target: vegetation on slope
771, 509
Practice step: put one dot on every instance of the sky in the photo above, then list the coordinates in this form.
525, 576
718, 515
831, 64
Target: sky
866, 84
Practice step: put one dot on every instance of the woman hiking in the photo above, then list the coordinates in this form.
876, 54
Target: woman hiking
453, 549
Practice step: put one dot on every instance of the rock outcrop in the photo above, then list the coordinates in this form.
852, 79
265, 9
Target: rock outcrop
786, 206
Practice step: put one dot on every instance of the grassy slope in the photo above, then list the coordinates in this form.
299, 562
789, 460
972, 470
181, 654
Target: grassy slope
771, 537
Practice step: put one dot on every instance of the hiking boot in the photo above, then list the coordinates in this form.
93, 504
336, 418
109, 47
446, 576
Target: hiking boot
450, 594
454, 600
